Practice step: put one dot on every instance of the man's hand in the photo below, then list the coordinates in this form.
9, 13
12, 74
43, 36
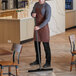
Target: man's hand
33, 14
36, 27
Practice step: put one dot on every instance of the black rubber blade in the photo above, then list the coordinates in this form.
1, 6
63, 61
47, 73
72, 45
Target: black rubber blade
40, 70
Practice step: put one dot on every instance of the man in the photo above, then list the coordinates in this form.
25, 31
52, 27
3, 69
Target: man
42, 13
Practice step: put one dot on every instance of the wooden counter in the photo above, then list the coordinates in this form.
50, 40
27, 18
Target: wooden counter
16, 30
70, 18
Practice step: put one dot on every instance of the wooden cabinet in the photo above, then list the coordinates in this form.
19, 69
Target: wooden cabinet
16, 30
70, 19
9, 31
0, 4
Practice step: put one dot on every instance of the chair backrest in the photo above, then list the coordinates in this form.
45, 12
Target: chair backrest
16, 48
72, 39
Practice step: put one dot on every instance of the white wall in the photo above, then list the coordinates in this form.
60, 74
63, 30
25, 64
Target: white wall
74, 4
57, 22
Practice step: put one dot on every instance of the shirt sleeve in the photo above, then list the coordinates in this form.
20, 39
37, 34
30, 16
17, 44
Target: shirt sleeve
34, 9
48, 16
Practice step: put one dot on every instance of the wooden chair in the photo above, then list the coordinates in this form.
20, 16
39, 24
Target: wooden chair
16, 48
73, 50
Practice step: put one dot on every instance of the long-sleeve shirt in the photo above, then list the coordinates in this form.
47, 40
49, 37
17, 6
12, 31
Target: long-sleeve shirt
46, 8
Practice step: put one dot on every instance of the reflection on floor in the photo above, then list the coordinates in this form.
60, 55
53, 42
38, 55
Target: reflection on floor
61, 56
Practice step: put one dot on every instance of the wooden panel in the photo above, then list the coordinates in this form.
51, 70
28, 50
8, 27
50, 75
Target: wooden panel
0, 4
9, 13
6, 17
70, 19
1, 32
15, 31
9, 30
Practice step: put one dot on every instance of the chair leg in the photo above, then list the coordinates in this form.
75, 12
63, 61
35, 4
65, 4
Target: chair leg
71, 63
75, 66
16, 70
9, 70
75, 63
1, 71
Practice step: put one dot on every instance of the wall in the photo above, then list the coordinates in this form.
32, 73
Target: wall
57, 22
74, 4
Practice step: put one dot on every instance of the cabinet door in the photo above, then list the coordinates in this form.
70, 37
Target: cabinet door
0, 4
70, 19
9, 31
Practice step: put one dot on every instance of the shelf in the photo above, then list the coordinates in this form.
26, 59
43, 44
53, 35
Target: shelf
69, 11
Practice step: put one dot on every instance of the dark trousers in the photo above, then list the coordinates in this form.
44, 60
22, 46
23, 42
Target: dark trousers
47, 51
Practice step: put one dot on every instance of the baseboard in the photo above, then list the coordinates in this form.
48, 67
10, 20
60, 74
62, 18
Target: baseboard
25, 41
70, 28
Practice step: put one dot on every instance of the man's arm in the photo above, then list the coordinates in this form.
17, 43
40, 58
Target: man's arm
34, 10
48, 16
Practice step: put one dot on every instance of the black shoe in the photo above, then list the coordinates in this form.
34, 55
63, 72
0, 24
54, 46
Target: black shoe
34, 63
46, 65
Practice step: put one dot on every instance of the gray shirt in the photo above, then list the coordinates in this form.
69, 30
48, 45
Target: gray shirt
46, 8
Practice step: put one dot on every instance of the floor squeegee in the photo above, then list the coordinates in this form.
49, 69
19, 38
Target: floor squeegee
40, 69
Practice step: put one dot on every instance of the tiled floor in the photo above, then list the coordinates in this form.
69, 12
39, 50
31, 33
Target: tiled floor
61, 56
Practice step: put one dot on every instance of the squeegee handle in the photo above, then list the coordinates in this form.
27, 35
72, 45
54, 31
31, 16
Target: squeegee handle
38, 49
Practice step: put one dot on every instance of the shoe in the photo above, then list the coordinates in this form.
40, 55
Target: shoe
46, 65
34, 63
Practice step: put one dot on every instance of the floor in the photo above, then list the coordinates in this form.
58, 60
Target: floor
61, 56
